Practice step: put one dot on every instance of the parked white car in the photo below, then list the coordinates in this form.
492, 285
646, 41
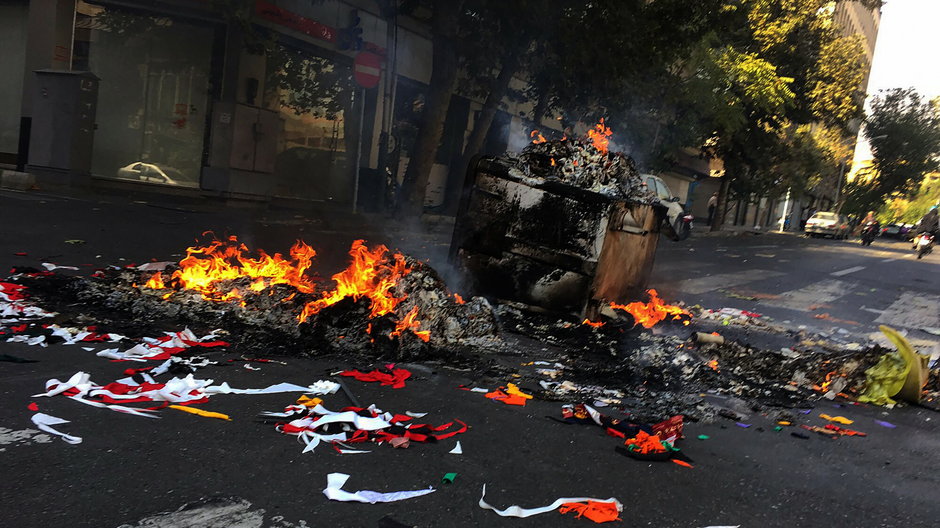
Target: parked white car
675, 212
148, 172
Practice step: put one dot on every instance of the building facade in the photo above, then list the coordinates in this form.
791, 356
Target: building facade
287, 99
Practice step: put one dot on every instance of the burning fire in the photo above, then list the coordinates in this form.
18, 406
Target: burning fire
593, 324
459, 299
368, 275
539, 139
599, 136
830, 378
411, 323
371, 274
648, 314
713, 364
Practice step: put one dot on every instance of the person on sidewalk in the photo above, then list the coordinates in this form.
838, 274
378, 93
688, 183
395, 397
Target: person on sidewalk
712, 205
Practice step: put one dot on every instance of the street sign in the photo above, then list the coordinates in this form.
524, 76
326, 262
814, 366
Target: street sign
367, 68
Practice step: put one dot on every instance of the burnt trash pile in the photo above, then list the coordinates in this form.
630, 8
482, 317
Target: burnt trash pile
584, 162
384, 303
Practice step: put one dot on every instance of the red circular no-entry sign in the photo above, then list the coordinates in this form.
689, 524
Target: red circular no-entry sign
367, 68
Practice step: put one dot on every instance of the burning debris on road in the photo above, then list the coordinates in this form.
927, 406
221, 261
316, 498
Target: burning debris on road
383, 302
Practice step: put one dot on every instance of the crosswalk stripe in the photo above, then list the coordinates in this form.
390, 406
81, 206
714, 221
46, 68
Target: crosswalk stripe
723, 280
912, 310
822, 292
847, 271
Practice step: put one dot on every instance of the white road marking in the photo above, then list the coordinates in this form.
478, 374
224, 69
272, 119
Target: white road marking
847, 271
872, 310
723, 280
765, 247
885, 261
821, 292
912, 311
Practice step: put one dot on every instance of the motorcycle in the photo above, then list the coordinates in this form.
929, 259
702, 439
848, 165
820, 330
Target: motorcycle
684, 226
923, 244
869, 232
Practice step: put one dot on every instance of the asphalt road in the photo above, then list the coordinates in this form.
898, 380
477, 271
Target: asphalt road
834, 287
129, 469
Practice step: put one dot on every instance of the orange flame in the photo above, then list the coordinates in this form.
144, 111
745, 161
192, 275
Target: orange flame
372, 274
368, 275
553, 162
830, 378
648, 314
459, 299
713, 364
410, 322
205, 267
155, 282
592, 324
539, 139
599, 136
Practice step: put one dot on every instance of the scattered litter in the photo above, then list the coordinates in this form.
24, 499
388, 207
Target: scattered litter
33, 406
75, 241
449, 478
597, 511
247, 366
357, 425
744, 425
457, 450
883, 423
334, 491
395, 377
703, 337
416, 414
52, 267
703, 437
516, 511
682, 463
200, 412
837, 419
400, 442
510, 395
45, 422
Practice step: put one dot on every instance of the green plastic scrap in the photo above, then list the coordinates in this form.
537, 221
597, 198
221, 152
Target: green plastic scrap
703, 437
887, 377
449, 478
778, 428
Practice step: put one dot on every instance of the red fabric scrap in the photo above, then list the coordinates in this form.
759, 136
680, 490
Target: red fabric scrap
20, 254
396, 378
18, 329
33, 407
597, 511
207, 344
13, 292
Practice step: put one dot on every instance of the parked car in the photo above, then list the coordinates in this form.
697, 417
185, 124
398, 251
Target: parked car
891, 231
150, 173
674, 211
828, 224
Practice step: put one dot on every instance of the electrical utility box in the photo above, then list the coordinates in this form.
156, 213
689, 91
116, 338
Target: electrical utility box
63, 121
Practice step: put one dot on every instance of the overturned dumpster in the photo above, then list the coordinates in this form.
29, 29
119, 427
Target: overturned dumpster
567, 226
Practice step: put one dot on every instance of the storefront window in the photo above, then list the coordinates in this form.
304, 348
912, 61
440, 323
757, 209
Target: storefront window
314, 97
153, 95
13, 17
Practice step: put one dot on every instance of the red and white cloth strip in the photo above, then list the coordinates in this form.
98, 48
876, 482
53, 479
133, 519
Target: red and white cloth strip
12, 307
162, 348
359, 425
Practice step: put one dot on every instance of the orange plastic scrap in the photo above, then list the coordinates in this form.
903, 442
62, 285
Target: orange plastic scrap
682, 463
645, 443
597, 511
510, 395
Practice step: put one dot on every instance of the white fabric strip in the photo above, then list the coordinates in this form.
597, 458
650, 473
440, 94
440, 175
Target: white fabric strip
334, 491
45, 423
516, 511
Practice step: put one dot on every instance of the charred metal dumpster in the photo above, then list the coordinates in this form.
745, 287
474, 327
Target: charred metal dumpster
564, 227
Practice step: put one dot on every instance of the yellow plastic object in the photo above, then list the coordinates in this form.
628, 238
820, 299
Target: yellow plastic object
890, 375
916, 378
838, 419
200, 412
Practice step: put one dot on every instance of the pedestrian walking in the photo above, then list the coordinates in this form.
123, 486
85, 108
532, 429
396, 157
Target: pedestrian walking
712, 205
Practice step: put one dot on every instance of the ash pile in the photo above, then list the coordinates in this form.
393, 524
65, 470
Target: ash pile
676, 370
384, 304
